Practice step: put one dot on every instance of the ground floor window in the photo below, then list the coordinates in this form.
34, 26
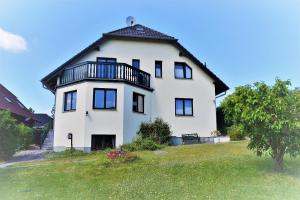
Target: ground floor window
105, 98
70, 101
100, 142
138, 103
183, 107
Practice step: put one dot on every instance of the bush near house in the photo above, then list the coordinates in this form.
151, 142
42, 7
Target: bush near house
158, 131
151, 136
139, 144
13, 136
236, 132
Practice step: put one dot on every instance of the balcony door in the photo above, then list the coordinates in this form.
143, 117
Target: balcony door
106, 68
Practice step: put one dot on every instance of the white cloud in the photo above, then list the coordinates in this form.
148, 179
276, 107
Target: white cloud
12, 42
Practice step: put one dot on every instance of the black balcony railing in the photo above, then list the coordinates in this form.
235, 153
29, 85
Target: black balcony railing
105, 71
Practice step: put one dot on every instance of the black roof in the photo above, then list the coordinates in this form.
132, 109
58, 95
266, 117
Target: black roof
136, 32
42, 119
140, 31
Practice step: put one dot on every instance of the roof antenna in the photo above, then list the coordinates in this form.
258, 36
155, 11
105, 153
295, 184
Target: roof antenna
130, 21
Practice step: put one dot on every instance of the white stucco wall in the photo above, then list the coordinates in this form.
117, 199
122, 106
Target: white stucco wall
159, 103
166, 89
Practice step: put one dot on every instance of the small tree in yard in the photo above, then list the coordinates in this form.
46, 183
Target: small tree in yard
13, 136
270, 116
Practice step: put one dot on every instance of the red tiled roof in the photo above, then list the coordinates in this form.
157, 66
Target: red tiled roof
8, 101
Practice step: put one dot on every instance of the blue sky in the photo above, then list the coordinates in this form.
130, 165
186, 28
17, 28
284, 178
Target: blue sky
241, 41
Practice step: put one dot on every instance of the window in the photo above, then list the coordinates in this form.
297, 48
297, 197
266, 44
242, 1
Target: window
20, 104
105, 99
183, 107
70, 101
106, 68
183, 71
138, 103
7, 99
158, 69
136, 63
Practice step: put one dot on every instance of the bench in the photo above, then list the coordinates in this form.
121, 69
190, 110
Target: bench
192, 138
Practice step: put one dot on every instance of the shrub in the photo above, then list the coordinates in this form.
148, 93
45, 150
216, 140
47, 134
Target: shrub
130, 147
148, 144
25, 136
236, 132
8, 135
158, 131
140, 144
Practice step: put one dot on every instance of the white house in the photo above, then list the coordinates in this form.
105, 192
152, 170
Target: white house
129, 76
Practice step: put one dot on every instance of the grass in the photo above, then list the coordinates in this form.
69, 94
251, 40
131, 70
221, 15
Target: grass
222, 171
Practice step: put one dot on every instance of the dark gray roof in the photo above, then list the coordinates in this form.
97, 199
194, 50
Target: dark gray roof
136, 32
140, 31
42, 119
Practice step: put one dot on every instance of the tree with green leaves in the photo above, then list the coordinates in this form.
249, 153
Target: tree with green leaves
13, 136
270, 116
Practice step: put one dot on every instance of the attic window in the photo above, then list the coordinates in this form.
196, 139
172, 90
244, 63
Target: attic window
139, 28
20, 105
7, 99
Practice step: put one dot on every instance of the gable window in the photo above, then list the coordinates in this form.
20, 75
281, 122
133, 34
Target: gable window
136, 63
183, 107
106, 68
183, 71
158, 69
138, 103
70, 101
105, 98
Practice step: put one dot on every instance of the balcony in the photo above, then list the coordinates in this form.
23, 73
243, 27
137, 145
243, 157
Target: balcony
105, 72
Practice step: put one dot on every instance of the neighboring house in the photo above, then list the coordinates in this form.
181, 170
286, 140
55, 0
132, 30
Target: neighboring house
129, 76
8, 101
43, 120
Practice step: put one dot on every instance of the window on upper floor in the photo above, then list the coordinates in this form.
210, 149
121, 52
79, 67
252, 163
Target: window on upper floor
183, 107
105, 98
138, 103
70, 100
182, 71
106, 68
136, 63
158, 69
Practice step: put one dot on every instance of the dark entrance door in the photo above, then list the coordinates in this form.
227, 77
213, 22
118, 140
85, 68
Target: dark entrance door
100, 142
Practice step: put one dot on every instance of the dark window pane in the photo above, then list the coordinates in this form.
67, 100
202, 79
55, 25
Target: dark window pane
110, 99
188, 72
158, 69
136, 63
99, 99
140, 103
68, 101
74, 98
188, 107
179, 107
135, 102
179, 71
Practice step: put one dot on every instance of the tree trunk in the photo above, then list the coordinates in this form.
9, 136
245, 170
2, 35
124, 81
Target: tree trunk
278, 160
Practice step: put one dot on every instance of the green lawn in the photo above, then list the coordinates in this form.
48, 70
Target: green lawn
222, 171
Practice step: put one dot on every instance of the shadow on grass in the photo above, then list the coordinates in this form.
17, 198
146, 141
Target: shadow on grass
265, 165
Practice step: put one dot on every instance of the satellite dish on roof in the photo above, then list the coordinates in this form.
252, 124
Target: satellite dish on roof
130, 21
